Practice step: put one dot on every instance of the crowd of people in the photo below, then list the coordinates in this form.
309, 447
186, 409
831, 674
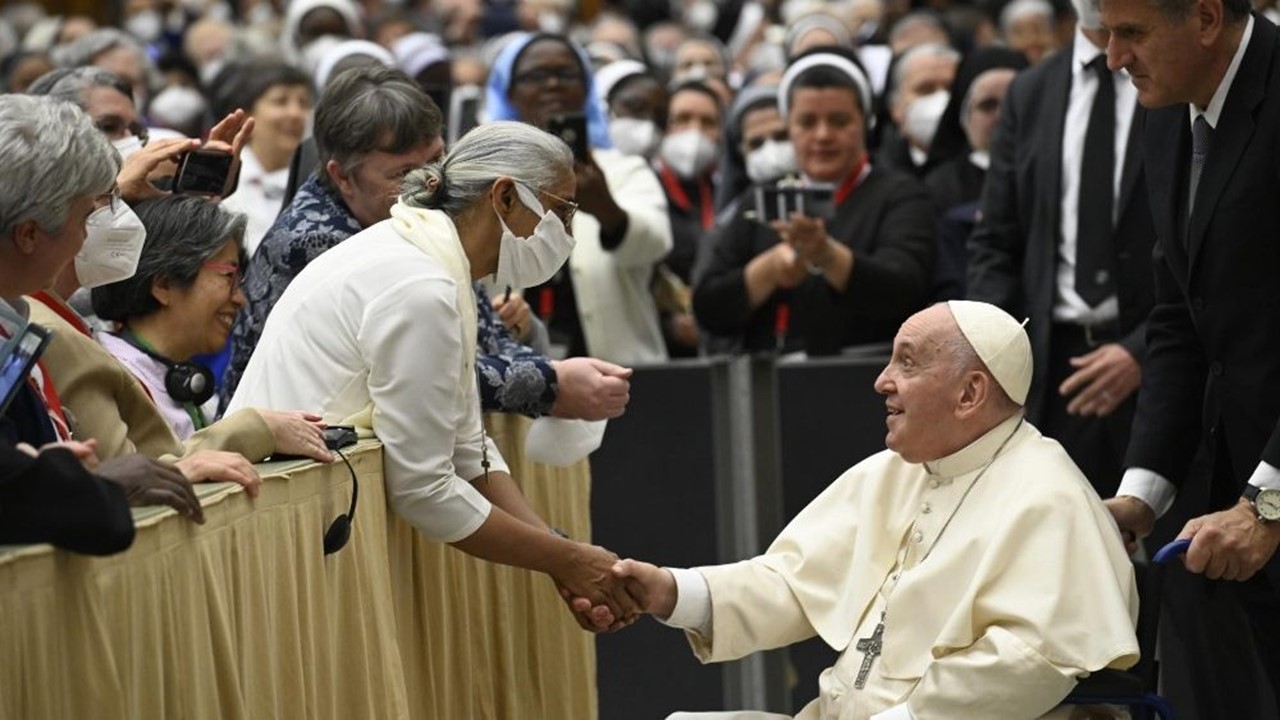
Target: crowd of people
245, 221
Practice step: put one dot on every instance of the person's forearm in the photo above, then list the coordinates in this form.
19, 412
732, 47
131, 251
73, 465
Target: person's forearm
761, 279
837, 266
501, 490
503, 538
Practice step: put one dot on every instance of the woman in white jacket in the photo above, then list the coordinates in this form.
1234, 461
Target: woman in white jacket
381, 332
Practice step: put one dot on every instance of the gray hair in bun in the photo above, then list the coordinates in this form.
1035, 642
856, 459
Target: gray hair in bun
494, 150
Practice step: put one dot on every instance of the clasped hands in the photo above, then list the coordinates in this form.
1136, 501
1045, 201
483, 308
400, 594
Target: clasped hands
619, 592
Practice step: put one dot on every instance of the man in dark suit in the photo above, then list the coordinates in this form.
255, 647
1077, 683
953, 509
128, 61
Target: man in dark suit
1064, 238
1209, 72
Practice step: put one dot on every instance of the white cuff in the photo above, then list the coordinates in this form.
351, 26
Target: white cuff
1266, 476
897, 712
693, 602
1150, 487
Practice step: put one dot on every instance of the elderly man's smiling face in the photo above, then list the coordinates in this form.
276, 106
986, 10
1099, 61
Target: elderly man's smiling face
923, 384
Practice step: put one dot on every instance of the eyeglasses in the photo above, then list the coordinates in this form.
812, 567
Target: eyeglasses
540, 76
230, 271
565, 210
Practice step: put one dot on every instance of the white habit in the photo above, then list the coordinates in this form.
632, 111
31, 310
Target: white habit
1028, 589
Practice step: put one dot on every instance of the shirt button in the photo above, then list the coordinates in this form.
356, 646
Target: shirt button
926, 508
917, 537
933, 484
1216, 368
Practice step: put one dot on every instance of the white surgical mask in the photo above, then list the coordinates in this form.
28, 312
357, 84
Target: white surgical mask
923, 117
147, 26
113, 242
702, 15
127, 146
696, 72
177, 106
771, 161
688, 153
632, 136
533, 260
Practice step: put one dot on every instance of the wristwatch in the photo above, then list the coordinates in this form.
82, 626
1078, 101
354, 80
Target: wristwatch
1266, 502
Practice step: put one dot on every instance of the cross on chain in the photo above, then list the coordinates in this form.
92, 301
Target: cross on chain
870, 648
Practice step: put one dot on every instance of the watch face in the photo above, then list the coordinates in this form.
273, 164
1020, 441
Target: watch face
1268, 504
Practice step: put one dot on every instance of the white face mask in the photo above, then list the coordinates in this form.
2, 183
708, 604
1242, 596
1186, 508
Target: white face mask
177, 105
127, 146
771, 161
688, 153
923, 117
702, 15
113, 242
147, 26
632, 136
696, 72
528, 261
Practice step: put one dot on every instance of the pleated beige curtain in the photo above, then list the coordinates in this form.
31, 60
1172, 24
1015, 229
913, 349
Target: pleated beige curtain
244, 617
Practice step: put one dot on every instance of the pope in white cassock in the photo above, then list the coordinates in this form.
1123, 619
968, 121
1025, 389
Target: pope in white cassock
968, 572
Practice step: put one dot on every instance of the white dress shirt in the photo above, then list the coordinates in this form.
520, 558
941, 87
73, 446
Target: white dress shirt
1068, 305
1147, 485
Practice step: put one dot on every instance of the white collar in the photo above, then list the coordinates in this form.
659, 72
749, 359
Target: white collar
918, 157
980, 159
1214, 111
977, 454
1083, 52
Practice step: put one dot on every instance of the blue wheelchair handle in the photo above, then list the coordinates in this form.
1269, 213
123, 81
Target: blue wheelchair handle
1170, 551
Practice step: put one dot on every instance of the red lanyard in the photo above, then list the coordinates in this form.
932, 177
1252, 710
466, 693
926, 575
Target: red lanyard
63, 311
852, 182
681, 198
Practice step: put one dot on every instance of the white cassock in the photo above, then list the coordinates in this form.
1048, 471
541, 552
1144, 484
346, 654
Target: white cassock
1026, 591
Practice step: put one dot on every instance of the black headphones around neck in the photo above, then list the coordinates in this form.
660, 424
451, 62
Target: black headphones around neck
186, 382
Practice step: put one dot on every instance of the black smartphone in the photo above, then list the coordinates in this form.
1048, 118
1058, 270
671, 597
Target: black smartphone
340, 436
774, 202
16, 359
572, 129
204, 172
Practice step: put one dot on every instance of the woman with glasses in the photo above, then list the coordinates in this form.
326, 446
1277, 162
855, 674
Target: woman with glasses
599, 304
382, 330
181, 302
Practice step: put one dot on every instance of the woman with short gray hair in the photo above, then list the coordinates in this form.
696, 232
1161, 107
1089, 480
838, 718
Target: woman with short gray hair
181, 302
382, 330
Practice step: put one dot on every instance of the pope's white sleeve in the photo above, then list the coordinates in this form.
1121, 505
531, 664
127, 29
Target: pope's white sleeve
693, 602
411, 340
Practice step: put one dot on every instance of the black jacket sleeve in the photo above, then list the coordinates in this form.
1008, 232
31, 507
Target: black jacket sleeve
51, 498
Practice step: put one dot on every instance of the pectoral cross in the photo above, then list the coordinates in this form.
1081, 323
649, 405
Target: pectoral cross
870, 648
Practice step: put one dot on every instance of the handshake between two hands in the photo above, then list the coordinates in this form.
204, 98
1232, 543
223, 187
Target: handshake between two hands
609, 594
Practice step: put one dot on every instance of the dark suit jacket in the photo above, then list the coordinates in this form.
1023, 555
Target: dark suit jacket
889, 224
53, 499
1013, 251
1214, 340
